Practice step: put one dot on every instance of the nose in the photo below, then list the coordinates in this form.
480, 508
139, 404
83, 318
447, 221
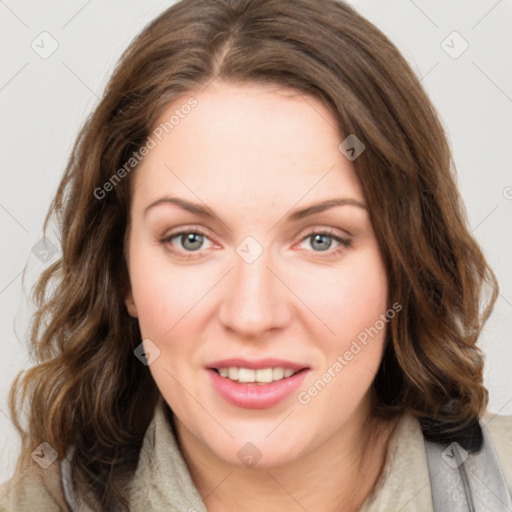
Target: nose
255, 299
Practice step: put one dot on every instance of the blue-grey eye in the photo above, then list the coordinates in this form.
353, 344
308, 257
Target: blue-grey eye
322, 241
191, 241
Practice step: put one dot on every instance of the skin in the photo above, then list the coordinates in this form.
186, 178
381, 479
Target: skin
270, 151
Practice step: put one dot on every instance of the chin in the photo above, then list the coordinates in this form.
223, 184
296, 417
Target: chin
260, 450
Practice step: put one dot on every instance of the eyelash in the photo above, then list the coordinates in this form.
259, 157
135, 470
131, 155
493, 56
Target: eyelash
345, 242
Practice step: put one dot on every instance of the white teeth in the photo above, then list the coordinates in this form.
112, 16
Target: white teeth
278, 373
261, 376
264, 375
245, 375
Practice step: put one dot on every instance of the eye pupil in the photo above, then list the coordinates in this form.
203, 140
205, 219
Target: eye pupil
189, 237
318, 237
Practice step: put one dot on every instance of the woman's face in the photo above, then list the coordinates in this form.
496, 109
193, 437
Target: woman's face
250, 291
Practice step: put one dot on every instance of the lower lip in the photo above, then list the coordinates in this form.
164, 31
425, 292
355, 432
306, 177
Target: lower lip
256, 396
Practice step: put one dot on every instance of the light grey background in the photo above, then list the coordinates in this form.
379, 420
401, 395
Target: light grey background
44, 102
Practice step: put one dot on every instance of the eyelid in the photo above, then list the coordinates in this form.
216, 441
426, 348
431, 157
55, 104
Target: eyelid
335, 232
192, 228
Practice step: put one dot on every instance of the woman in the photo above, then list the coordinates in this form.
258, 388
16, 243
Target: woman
254, 370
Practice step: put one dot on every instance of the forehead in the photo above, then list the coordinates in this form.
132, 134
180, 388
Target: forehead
248, 142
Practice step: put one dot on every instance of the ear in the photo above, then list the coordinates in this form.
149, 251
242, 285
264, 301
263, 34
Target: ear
130, 304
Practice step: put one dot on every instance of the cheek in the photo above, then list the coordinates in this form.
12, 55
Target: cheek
168, 306
166, 294
350, 359
352, 303
347, 299
364, 297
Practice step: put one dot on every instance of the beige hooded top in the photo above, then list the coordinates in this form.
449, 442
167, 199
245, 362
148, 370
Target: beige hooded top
162, 481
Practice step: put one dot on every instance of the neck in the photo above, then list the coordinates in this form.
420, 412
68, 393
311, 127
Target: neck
338, 475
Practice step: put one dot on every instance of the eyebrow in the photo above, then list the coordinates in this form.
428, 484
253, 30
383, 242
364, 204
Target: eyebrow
207, 213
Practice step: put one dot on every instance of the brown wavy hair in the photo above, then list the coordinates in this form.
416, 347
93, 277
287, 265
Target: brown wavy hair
89, 391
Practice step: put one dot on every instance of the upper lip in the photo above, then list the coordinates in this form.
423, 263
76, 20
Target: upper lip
256, 364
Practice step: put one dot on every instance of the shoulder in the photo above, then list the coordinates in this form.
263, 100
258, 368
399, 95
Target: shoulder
34, 489
500, 430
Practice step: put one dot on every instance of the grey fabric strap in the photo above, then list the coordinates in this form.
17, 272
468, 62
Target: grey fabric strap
74, 502
463, 482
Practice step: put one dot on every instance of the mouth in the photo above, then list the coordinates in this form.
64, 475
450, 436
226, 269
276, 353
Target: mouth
260, 376
256, 384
